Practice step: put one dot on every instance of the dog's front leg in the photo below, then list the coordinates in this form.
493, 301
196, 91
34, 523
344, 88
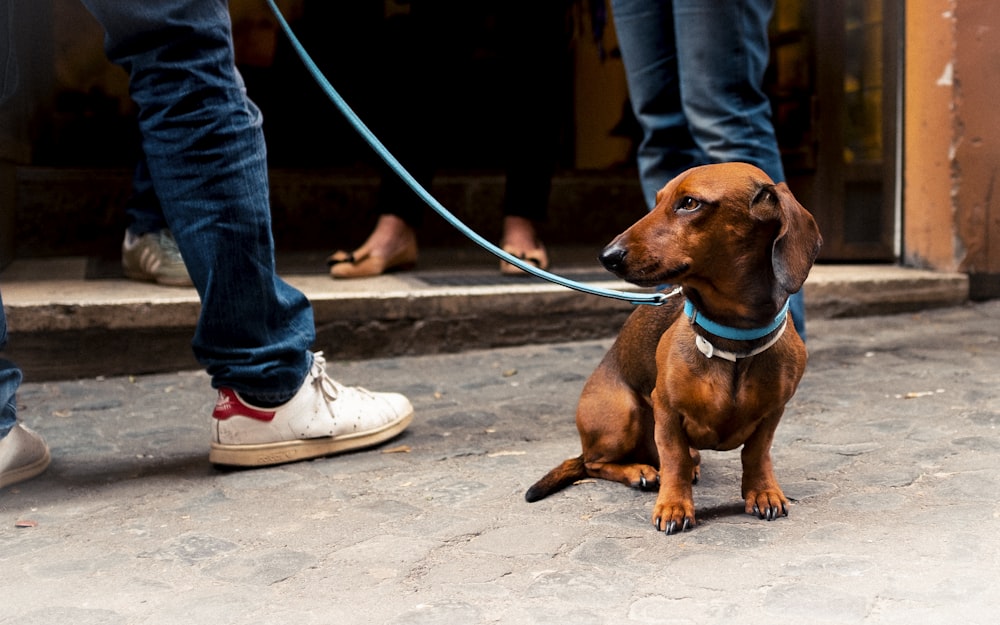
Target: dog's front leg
674, 509
763, 496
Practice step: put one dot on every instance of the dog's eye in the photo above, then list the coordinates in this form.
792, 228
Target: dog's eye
687, 204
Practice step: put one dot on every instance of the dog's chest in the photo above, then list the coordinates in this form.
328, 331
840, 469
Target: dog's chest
719, 407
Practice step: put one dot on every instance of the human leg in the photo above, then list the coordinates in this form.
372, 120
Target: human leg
10, 380
722, 55
412, 134
534, 82
722, 89
143, 208
699, 101
645, 30
23, 453
205, 150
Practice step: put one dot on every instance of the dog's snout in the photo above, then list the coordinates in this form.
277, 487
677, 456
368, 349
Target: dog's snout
613, 256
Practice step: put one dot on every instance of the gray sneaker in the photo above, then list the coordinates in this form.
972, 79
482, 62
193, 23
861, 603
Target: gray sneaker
154, 257
23, 455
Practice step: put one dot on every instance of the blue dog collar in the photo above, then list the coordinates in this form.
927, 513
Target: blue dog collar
733, 334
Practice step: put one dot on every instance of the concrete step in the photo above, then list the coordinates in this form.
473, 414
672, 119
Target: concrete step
78, 317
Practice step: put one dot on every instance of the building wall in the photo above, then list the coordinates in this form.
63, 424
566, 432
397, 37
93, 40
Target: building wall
952, 139
977, 153
951, 150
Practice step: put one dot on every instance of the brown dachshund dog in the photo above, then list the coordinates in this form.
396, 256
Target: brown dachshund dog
713, 370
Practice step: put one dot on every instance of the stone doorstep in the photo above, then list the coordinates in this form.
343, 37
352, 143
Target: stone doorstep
116, 327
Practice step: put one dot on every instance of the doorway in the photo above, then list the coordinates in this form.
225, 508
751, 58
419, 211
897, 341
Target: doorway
835, 86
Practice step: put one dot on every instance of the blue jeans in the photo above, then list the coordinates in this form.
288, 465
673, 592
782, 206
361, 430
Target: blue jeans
10, 375
204, 148
143, 208
695, 72
10, 380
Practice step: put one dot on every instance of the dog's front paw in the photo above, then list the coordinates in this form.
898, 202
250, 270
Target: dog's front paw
767, 504
645, 477
673, 516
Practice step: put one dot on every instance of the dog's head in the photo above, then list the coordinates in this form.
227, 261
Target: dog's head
720, 228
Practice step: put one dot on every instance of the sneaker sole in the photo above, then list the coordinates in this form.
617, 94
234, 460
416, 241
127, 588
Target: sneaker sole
142, 276
268, 454
26, 472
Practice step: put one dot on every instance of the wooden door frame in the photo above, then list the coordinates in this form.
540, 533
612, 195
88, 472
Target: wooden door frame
830, 195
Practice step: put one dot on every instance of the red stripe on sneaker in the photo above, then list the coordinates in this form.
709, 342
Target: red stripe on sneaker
230, 405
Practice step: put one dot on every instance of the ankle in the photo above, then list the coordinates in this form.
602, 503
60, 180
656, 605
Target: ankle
519, 232
390, 235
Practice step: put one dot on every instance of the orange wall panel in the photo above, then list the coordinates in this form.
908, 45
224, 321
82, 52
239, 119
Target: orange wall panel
929, 129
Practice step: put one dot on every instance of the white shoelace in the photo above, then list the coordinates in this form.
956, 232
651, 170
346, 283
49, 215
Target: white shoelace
330, 388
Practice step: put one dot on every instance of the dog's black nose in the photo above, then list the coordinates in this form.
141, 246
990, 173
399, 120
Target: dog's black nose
613, 257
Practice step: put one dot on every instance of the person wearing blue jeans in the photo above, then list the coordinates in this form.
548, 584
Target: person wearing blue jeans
23, 453
204, 146
695, 73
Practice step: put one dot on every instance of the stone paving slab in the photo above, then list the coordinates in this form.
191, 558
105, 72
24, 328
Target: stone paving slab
890, 451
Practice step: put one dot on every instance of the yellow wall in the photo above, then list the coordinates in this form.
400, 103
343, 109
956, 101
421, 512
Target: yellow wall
599, 94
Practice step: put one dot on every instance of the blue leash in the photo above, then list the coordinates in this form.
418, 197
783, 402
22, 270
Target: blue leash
635, 298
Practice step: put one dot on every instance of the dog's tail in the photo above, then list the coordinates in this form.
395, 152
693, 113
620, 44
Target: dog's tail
557, 479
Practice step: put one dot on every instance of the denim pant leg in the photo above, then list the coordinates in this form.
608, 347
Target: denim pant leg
696, 100
645, 30
10, 380
143, 207
204, 146
10, 375
722, 89
722, 55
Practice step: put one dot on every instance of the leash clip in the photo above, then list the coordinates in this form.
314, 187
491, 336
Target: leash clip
655, 299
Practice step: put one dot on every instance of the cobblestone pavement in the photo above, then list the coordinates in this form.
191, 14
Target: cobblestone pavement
890, 451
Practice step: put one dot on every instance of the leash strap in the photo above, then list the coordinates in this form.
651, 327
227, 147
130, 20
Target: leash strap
654, 299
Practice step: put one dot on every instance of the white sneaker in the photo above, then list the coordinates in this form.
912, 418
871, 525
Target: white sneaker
23, 455
323, 418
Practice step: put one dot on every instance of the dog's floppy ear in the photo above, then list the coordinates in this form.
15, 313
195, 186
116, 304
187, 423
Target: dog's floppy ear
798, 240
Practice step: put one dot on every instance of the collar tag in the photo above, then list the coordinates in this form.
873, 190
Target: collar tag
707, 348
